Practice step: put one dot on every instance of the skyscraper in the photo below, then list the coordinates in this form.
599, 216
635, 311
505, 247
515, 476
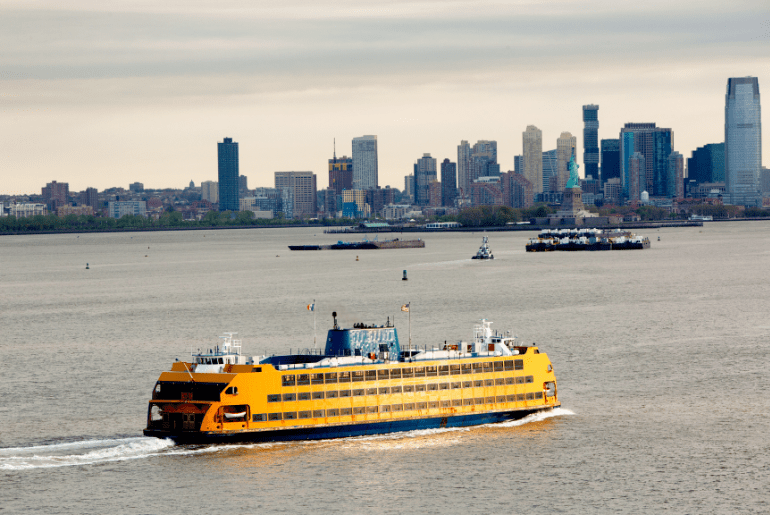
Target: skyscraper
743, 140
636, 176
425, 173
566, 147
533, 157
90, 197
675, 181
463, 167
365, 163
448, 183
549, 168
591, 141
610, 159
300, 189
707, 164
655, 144
228, 175
55, 194
340, 173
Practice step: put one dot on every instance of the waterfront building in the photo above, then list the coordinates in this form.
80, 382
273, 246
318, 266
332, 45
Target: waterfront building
448, 183
610, 159
707, 164
26, 209
591, 141
55, 194
302, 188
533, 157
675, 181
90, 197
74, 210
743, 140
549, 169
210, 191
340, 173
227, 153
655, 144
365, 163
121, 208
517, 191
424, 173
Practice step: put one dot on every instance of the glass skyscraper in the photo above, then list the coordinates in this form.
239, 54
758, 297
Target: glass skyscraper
227, 152
591, 141
743, 140
610, 159
365, 163
655, 144
707, 164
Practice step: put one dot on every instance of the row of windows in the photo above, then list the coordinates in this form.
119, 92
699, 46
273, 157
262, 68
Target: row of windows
334, 394
398, 373
392, 408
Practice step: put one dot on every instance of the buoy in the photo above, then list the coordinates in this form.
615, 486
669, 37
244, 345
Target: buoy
145, 255
87, 268
356, 258
404, 278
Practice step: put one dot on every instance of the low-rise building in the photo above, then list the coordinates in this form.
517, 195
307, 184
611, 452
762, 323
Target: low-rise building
120, 208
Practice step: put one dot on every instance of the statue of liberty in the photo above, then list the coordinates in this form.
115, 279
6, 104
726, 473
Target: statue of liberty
574, 180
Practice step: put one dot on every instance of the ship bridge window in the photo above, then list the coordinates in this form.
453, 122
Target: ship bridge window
289, 380
232, 390
499, 366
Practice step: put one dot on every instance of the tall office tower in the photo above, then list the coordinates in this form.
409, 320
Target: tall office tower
486, 148
340, 173
566, 147
743, 140
90, 197
675, 181
424, 174
610, 159
707, 164
533, 157
655, 144
591, 141
365, 163
463, 167
228, 175
409, 185
518, 164
55, 194
637, 176
243, 185
549, 168
210, 191
302, 192
448, 183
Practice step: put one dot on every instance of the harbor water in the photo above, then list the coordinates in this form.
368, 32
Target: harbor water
661, 357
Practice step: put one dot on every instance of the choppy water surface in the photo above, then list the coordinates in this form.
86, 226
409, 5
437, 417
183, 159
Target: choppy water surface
661, 357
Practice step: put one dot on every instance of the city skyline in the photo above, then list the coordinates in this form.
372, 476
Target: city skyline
141, 92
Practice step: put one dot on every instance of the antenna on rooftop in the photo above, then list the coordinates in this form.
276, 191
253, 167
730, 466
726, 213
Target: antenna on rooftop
335, 149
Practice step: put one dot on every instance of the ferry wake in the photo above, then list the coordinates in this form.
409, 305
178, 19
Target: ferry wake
364, 383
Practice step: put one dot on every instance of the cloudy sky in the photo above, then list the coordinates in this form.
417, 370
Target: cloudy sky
102, 94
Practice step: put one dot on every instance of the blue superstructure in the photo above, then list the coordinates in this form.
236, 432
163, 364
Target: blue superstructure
363, 340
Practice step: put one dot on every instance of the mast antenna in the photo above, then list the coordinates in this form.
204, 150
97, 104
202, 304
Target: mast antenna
335, 149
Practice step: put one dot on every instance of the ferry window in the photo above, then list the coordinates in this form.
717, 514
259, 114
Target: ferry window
509, 364
467, 369
432, 387
359, 410
385, 409
303, 379
530, 379
433, 405
467, 384
288, 397
382, 374
395, 389
457, 402
478, 368
395, 373
256, 369
478, 384
498, 366
420, 387
550, 368
456, 385
371, 375
530, 396
332, 394
489, 400
304, 396
273, 398
509, 380
330, 378
304, 414
409, 406
518, 364
499, 381
358, 393
407, 372
443, 370
344, 377
446, 404
358, 376
519, 397
371, 409
275, 416
318, 395
396, 407
408, 388
289, 415
510, 398
468, 402
232, 390
371, 391
500, 398
346, 411
520, 380
383, 391
489, 382
488, 366
419, 371
538, 395
316, 379
262, 417
319, 413
454, 369
443, 386
422, 405
344, 393
332, 413
431, 371
478, 400
289, 380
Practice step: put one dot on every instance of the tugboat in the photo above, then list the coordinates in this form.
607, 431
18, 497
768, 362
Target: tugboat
484, 252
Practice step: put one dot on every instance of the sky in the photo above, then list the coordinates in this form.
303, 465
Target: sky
103, 94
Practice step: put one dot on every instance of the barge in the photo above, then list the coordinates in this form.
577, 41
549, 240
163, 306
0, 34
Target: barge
586, 239
364, 245
364, 383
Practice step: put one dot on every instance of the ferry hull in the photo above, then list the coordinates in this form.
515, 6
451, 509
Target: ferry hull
345, 430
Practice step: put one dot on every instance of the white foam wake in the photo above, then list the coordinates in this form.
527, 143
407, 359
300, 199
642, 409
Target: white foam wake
535, 417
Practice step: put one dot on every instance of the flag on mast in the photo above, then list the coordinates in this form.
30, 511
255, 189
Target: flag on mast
405, 307
311, 307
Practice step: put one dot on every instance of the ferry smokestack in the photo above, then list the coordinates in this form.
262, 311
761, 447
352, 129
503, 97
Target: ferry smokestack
334, 315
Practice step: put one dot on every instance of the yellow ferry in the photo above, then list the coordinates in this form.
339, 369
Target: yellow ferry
362, 384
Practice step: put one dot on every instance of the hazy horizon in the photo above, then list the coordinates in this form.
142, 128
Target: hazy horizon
102, 95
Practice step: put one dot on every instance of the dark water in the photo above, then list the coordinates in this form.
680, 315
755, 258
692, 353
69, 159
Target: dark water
661, 357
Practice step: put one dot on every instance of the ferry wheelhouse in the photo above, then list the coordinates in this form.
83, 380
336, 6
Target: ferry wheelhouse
364, 383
